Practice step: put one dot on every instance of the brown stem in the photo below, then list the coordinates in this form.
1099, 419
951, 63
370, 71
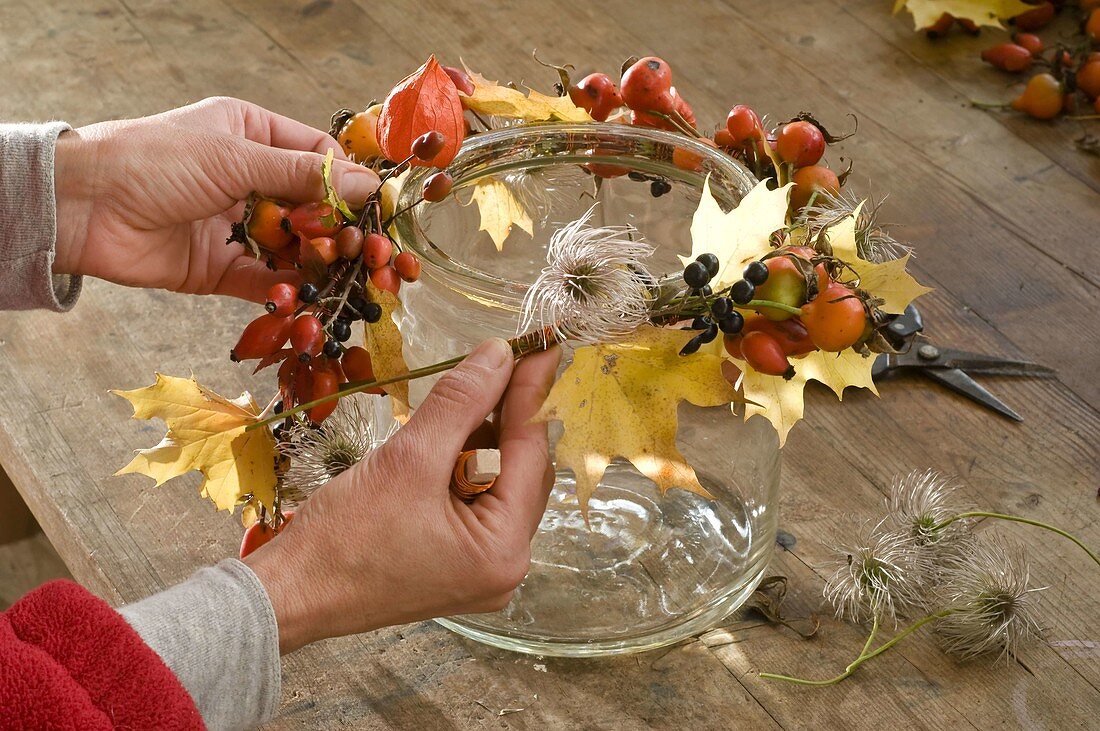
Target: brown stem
523, 345
385, 224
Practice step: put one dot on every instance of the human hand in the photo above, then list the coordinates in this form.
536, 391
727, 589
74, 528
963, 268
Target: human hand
149, 202
387, 543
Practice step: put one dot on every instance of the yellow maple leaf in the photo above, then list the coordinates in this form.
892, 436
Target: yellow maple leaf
562, 108
496, 100
781, 402
982, 12
887, 281
740, 236
206, 432
500, 210
382, 340
619, 400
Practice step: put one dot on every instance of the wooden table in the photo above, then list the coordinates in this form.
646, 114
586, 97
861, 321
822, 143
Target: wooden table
1004, 213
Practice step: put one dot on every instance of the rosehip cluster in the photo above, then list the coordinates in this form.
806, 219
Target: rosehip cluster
831, 315
306, 326
1066, 79
645, 88
799, 143
316, 362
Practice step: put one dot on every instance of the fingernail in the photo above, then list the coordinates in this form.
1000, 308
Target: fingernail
493, 353
356, 183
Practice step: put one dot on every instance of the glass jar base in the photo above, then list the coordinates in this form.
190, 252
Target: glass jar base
648, 571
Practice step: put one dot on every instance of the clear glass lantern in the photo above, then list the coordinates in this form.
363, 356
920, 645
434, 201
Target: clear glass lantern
649, 570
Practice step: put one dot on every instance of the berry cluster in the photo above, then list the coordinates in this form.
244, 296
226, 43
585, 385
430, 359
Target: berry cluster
340, 255
645, 88
647, 91
797, 145
722, 314
792, 305
1068, 77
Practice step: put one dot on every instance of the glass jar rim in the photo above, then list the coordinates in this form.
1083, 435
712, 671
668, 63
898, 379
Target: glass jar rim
471, 281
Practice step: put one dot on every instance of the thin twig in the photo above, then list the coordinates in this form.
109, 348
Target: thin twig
1017, 519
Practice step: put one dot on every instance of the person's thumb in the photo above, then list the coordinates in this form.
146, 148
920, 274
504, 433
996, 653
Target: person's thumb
461, 400
292, 175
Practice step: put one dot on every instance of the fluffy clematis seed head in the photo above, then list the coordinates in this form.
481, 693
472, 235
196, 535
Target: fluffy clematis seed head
540, 191
595, 287
879, 575
317, 454
995, 608
920, 502
873, 239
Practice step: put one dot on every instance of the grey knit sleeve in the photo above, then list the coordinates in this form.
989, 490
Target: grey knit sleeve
28, 224
217, 633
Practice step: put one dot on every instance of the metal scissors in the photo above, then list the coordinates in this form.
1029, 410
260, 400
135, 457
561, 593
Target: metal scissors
947, 366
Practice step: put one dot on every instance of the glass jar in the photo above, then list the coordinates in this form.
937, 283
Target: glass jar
649, 570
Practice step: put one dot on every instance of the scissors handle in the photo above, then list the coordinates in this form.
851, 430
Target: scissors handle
904, 327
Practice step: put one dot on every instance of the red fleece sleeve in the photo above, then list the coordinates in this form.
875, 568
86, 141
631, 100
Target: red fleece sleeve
69, 661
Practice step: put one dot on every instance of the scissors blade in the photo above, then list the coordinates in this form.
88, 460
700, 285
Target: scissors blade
989, 364
959, 382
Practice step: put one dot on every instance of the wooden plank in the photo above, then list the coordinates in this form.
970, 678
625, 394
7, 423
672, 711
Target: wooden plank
956, 62
920, 110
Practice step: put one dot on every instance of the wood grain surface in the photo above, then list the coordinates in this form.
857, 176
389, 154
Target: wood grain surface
1003, 212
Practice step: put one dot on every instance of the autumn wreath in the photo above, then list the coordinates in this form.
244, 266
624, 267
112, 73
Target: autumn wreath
798, 282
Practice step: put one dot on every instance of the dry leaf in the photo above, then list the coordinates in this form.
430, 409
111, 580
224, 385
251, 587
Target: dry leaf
620, 400
382, 340
982, 12
206, 432
492, 99
740, 236
424, 101
250, 515
888, 281
500, 210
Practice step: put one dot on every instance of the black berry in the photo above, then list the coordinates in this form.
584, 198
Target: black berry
372, 312
756, 272
710, 261
742, 291
308, 293
732, 323
721, 307
692, 346
709, 334
700, 323
659, 187
695, 275
332, 349
279, 406
341, 330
